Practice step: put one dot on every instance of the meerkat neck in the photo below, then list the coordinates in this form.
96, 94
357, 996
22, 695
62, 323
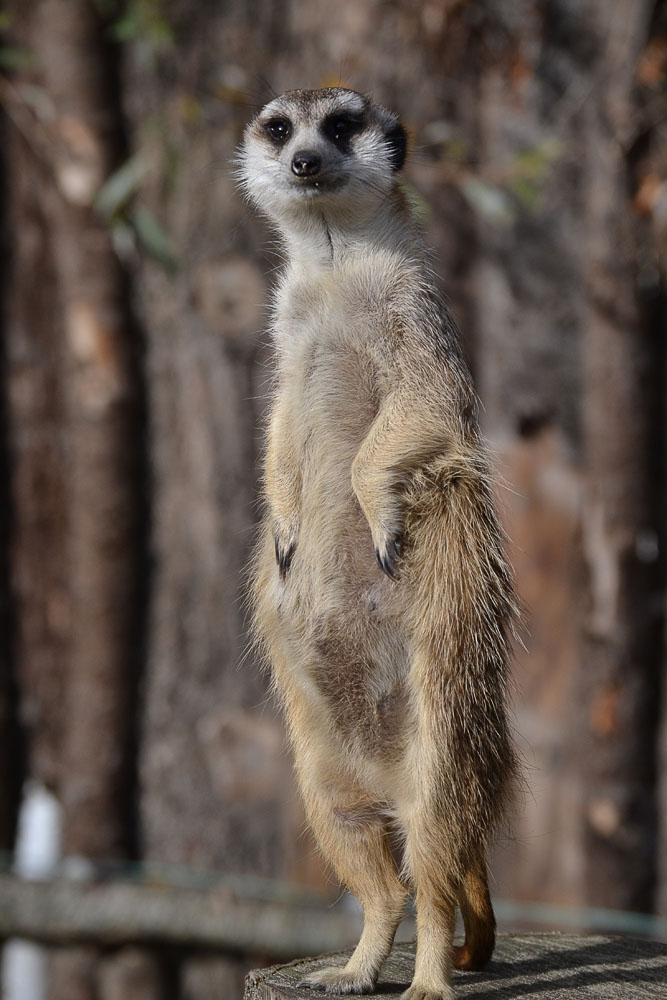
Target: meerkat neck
322, 240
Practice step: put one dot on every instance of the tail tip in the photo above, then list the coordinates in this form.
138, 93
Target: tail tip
476, 954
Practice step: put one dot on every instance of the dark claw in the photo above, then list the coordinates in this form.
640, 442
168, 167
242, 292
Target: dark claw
388, 564
284, 558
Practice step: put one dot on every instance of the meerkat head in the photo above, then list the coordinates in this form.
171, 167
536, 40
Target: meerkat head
327, 151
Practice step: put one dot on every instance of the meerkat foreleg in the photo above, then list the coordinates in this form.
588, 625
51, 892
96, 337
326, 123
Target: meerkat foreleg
283, 488
404, 435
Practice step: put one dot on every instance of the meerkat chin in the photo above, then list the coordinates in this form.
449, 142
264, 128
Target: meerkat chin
382, 597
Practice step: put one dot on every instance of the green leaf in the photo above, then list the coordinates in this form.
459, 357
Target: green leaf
418, 203
456, 150
488, 200
526, 191
123, 239
38, 100
13, 58
144, 22
107, 8
537, 160
160, 32
119, 188
6, 19
127, 28
153, 238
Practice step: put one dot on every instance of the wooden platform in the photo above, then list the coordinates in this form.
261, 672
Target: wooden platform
524, 967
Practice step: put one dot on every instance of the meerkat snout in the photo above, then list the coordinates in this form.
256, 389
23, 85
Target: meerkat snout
306, 163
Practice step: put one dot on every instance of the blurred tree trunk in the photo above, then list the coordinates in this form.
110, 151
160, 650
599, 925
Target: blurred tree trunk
528, 305
101, 391
648, 177
11, 749
620, 670
555, 80
40, 597
94, 393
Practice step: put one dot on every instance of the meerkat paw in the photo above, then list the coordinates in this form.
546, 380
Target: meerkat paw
333, 979
285, 544
388, 553
417, 992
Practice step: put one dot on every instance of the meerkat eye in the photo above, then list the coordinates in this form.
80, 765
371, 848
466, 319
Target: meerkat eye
341, 128
280, 129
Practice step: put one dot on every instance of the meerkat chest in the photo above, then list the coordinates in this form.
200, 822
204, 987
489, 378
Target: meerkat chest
333, 309
329, 335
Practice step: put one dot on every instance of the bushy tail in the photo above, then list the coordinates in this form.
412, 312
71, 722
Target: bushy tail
465, 615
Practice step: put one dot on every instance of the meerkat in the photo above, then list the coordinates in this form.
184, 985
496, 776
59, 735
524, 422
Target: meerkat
381, 593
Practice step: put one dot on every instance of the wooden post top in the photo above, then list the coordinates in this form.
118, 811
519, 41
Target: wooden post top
528, 966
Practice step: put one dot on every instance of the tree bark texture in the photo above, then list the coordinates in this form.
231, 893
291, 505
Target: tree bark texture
527, 290
534, 966
11, 744
573, 410
622, 393
102, 425
95, 400
40, 596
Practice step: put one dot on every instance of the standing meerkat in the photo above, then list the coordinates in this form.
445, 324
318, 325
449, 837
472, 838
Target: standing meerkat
381, 592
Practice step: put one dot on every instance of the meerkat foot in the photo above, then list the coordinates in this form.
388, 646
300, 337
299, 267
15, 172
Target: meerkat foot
417, 992
389, 554
333, 979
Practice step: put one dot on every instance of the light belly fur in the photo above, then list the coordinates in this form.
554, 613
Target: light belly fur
338, 620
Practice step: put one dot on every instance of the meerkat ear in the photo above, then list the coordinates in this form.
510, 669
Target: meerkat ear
397, 140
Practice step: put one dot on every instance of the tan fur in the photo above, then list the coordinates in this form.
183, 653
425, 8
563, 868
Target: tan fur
394, 688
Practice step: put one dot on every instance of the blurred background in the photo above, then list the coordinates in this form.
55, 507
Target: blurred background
138, 741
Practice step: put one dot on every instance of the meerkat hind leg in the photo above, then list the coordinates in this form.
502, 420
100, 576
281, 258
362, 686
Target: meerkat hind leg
435, 930
355, 841
436, 893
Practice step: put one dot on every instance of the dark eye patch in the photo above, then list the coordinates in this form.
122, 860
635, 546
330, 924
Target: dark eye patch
397, 140
278, 129
339, 128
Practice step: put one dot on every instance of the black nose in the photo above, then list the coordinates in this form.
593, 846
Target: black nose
306, 164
